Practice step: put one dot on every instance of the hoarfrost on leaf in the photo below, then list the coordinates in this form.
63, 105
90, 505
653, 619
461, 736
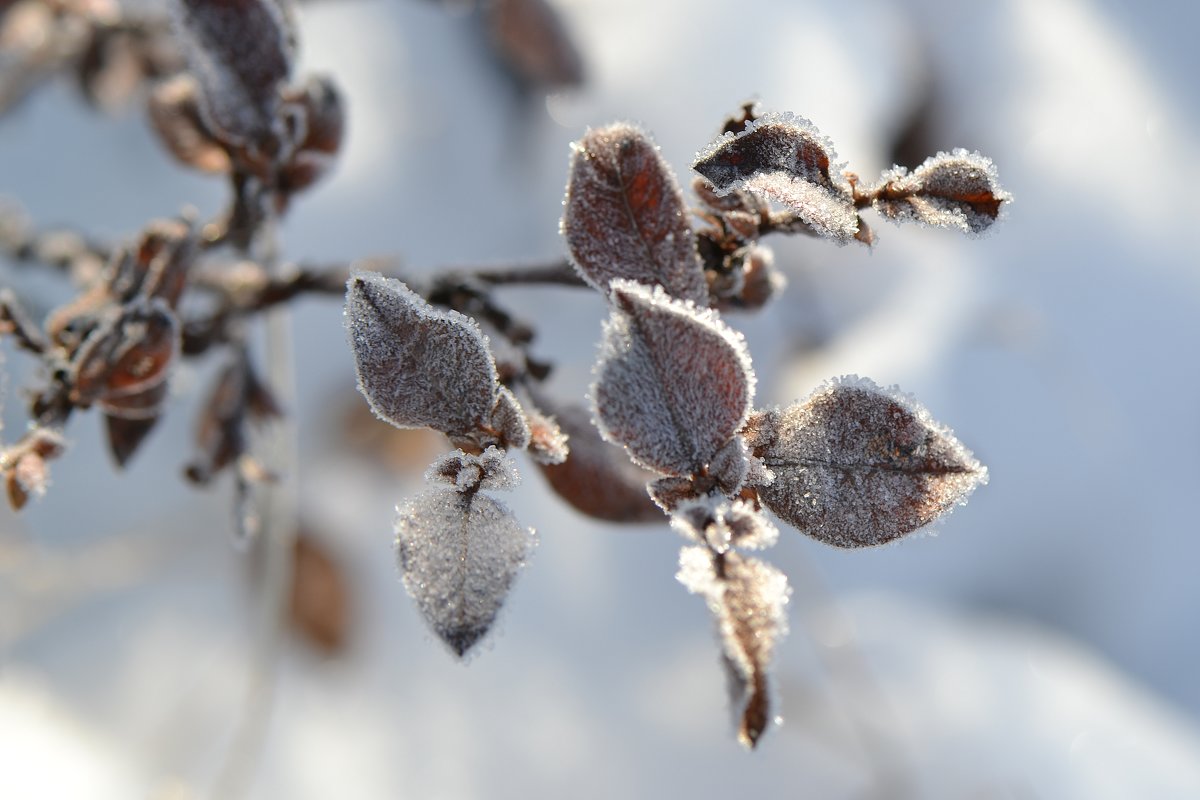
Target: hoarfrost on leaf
950, 190
748, 599
508, 420
241, 52
459, 554
722, 524
467, 472
674, 383
856, 465
786, 159
625, 216
418, 366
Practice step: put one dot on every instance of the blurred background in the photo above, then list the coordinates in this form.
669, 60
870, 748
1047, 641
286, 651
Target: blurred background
1042, 644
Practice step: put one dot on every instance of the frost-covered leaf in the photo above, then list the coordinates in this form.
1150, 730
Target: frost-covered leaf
597, 478
418, 366
674, 383
856, 465
625, 217
241, 53
467, 472
459, 554
508, 421
549, 443
721, 524
748, 598
729, 466
950, 190
786, 159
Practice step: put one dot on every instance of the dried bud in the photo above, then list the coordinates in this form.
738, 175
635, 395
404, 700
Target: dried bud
950, 190
459, 554
786, 159
625, 216
858, 466
469, 473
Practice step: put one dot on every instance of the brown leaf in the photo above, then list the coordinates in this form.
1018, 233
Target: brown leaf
129, 353
674, 383
857, 466
319, 608
950, 190
597, 478
531, 38
625, 216
240, 52
786, 159
175, 113
748, 599
126, 434
418, 367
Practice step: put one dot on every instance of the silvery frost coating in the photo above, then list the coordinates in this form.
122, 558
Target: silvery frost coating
747, 597
241, 52
467, 472
786, 159
459, 552
722, 524
856, 465
418, 367
673, 384
624, 215
958, 190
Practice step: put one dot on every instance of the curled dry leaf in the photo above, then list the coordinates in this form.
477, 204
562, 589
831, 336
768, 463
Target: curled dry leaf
625, 216
418, 367
241, 53
321, 120
531, 38
459, 554
25, 465
950, 190
238, 396
856, 465
127, 355
674, 383
786, 159
748, 598
597, 478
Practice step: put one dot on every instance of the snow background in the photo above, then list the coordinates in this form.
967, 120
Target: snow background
1043, 644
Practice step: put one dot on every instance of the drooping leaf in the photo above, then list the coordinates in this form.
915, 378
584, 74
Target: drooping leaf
786, 159
531, 38
597, 478
418, 366
241, 53
459, 554
625, 217
319, 602
748, 599
856, 465
674, 383
950, 190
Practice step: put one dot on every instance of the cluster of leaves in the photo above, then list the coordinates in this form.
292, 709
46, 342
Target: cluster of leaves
228, 106
853, 465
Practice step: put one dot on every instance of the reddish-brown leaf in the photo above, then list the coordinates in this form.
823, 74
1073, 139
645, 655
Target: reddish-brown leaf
531, 38
319, 605
950, 190
856, 465
625, 216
